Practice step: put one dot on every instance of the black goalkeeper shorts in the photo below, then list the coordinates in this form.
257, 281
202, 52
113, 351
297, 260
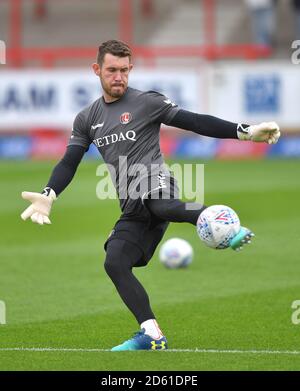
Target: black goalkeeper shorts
138, 226
140, 233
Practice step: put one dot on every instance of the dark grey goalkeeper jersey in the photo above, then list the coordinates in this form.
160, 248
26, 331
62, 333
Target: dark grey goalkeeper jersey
126, 133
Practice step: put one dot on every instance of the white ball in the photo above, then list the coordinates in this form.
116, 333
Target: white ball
176, 253
217, 225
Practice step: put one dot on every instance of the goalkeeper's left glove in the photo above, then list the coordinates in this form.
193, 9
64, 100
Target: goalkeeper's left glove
267, 132
40, 207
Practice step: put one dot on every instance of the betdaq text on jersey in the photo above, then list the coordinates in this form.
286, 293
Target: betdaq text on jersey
114, 137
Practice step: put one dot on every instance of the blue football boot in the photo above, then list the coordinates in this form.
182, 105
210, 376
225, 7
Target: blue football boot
242, 237
142, 341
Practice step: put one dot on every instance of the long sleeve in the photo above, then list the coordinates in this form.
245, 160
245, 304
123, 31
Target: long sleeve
64, 171
205, 125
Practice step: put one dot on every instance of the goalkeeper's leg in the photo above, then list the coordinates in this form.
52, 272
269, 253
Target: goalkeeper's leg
174, 210
121, 257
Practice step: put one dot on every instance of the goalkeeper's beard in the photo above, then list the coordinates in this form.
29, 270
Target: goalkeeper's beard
116, 91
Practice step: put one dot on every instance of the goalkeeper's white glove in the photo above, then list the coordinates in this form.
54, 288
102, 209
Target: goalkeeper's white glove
40, 207
267, 132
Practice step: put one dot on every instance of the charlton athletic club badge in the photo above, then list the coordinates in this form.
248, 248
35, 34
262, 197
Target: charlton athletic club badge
125, 118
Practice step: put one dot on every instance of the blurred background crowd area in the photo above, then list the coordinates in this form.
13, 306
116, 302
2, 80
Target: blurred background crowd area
235, 59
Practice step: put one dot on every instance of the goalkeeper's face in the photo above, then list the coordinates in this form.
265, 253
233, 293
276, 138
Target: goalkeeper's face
113, 73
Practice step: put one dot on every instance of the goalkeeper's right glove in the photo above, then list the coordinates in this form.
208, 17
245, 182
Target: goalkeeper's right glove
40, 207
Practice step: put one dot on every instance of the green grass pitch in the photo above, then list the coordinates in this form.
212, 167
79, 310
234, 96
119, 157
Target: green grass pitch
235, 308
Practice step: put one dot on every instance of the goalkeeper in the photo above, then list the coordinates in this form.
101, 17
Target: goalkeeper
125, 123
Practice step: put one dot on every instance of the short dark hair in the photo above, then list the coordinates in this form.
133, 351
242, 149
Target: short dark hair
114, 47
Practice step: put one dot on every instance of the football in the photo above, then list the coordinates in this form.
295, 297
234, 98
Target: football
176, 253
217, 225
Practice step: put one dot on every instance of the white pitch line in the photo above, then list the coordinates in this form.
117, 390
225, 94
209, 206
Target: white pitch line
88, 350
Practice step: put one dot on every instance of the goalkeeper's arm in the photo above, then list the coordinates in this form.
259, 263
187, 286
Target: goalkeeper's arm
207, 125
61, 176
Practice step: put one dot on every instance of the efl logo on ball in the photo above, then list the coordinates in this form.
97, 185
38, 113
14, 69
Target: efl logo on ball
125, 118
